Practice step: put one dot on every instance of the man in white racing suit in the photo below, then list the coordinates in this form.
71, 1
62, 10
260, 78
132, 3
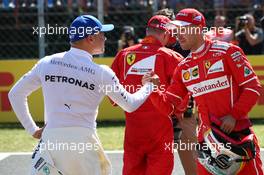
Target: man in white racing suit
73, 87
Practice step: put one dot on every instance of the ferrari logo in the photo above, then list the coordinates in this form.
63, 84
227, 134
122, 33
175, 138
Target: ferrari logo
207, 64
130, 58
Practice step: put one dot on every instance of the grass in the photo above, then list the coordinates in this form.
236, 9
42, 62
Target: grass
15, 140
259, 130
13, 137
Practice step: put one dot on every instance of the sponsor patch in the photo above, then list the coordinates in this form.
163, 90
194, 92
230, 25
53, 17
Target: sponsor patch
247, 71
46, 170
39, 162
208, 86
186, 75
130, 58
237, 59
235, 54
195, 72
143, 66
223, 46
140, 70
216, 67
190, 74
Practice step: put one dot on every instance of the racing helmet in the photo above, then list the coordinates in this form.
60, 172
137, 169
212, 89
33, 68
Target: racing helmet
223, 154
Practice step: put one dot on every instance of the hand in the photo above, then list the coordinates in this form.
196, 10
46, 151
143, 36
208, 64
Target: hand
151, 77
147, 77
228, 124
155, 80
247, 31
38, 133
246, 24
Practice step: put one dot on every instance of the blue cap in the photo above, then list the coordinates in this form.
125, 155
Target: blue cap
86, 25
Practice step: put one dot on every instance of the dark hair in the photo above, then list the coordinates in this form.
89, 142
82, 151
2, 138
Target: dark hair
166, 12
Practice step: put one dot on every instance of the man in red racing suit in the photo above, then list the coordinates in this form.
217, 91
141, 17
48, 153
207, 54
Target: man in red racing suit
222, 82
147, 131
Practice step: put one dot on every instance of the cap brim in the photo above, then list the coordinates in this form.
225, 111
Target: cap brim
107, 27
180, 23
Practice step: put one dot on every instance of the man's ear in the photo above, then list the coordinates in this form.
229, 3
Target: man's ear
90, 39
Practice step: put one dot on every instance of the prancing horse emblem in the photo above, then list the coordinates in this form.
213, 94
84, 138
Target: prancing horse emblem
130, 58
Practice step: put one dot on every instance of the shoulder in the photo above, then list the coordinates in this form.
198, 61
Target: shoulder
220, 45
106, 70
170, 53
55, 56
165, 50
108, 76
224, 46
230, 50
103, 67
132, 48
124, 51
184, 61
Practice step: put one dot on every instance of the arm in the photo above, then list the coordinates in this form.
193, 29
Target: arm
174, 100
116, 68
117, 93
171, 63
18, 98
253, 39
247, 80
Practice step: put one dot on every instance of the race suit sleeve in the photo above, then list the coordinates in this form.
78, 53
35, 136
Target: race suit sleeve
171, 64
113, 89
18, 97
243, 73
116, 68
174, 100
115, 65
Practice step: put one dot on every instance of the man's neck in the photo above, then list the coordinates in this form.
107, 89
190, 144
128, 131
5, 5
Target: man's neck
83, 48
154, 39
198, 44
